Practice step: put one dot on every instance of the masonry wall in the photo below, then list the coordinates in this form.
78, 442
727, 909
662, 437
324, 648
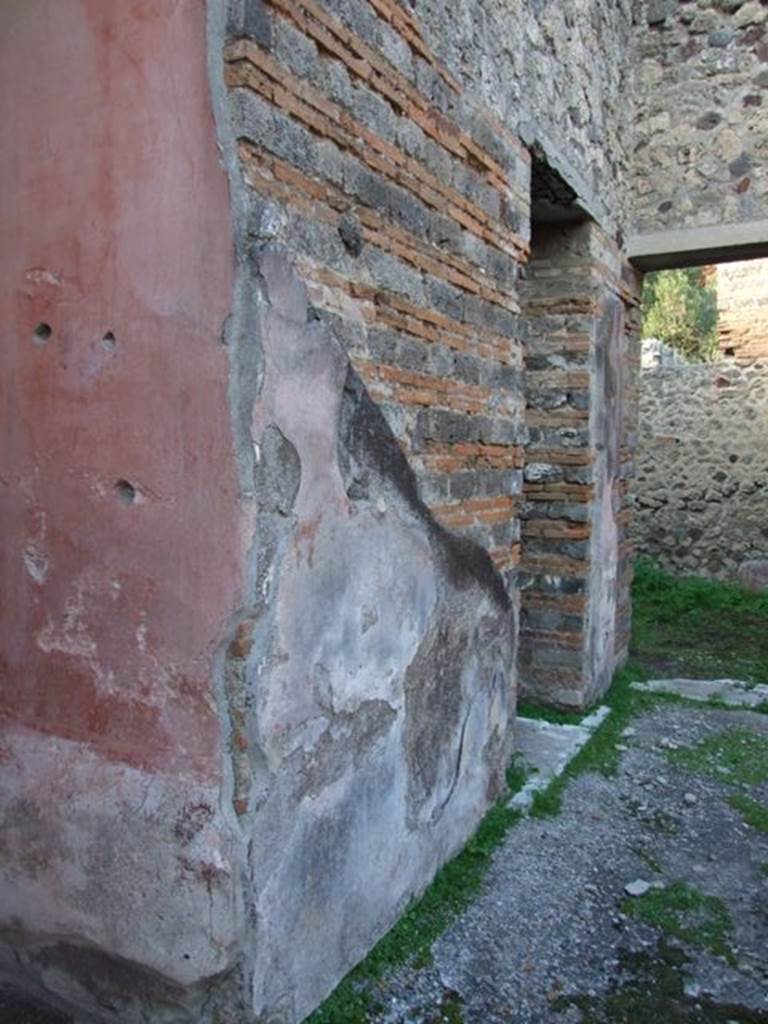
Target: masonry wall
742, 309
557, 74
701, 487
381, 150
701, 128
580, 310
265, 478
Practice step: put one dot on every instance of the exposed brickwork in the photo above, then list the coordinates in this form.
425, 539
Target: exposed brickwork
577, 461
411, 252
742, 308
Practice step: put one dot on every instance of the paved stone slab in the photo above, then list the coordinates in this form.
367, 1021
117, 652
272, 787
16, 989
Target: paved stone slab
729, 691
546, 748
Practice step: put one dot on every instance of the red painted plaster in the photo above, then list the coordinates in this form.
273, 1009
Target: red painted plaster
115, 218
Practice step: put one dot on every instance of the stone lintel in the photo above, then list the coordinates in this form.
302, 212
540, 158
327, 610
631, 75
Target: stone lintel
690, 247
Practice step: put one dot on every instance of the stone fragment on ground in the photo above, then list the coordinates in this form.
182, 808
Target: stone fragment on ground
554, 935
753, 574
545, 749
727, 691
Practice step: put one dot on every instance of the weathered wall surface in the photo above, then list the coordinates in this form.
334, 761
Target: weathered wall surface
116, 463
701, 489
380, 156
370, 683
701, 134
742, 309
376, 678
580, 307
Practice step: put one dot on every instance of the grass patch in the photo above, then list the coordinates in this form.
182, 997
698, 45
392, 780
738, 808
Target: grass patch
697, 627
733, 755
752, 812
687, 914
703, 628
527, 709
412, 937
450, 1009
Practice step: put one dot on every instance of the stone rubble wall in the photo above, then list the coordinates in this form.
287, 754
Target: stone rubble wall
558, 74
700, 495
742, 309
701, 131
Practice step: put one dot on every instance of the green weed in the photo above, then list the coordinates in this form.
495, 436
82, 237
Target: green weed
752, 811
647, 858
686, 914
734, 755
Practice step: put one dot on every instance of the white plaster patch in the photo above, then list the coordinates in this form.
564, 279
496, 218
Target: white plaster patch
36, 563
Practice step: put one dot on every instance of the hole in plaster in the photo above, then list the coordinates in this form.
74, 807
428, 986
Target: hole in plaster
109, 342
42, 333
126, 492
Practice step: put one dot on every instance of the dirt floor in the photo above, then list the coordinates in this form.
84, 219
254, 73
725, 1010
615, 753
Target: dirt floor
554, 935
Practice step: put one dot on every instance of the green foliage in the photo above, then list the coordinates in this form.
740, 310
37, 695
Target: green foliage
681, 309
697, 627
652, 991
687, 914
527, 709
734, 756
647, 858
752, 811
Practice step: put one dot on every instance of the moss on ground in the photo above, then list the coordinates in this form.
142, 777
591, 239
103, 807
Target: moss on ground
652, 992
752, 811
449, 1011
687, 914
601, 753
733, 756
648, 859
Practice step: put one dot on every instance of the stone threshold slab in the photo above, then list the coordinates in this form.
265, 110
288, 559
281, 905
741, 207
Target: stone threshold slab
729, 691
546, 748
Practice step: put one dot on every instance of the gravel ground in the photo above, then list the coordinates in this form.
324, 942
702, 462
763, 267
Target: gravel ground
550, 939
554, 936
